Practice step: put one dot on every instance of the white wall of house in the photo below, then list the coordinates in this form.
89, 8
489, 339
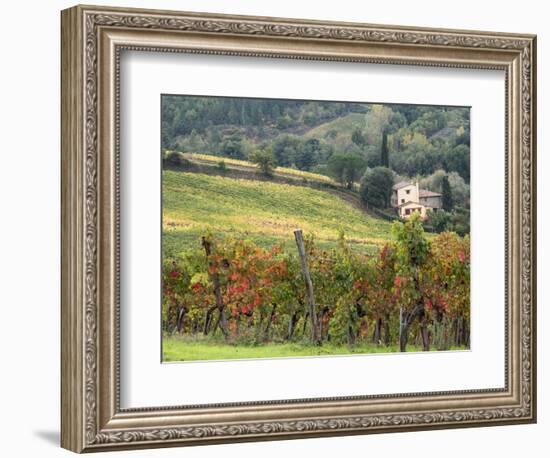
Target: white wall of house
408, 193
407, 210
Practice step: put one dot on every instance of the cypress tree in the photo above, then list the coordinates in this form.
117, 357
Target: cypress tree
384, 153
447, 195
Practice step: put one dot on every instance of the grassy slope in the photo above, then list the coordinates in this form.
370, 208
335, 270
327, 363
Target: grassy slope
343, 126
284, 171
264, 212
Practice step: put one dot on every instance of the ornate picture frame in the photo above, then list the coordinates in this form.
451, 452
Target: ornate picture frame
92, 41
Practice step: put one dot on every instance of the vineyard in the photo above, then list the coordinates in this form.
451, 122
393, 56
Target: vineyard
229, 296
263, 212
247, 165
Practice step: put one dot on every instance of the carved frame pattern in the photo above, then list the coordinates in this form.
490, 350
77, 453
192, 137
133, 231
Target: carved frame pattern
86, 23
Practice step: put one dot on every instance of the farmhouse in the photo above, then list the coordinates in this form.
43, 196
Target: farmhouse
407, 198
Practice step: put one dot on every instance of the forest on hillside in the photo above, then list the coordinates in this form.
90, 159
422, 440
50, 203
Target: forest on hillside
306, 134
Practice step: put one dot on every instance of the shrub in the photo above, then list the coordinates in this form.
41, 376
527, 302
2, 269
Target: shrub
222, 167
177, 159
265, 161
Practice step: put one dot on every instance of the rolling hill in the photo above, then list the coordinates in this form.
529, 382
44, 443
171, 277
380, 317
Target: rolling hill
264, 212
210, 160
342, 127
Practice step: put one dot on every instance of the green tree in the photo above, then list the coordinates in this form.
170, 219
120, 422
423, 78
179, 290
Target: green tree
346, 168
384, 153
460, 190
233, 115
440, 221
285, 148
461, 221
447, 195
357, 137
376, 120
232, 147
305, 156
284, 121
264, 159
376, 187
457, 160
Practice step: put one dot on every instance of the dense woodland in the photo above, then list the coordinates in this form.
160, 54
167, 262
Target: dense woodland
420, 139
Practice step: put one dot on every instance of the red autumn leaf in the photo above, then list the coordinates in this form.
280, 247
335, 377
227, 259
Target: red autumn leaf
174, 274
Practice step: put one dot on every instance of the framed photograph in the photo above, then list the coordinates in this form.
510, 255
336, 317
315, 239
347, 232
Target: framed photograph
279, 228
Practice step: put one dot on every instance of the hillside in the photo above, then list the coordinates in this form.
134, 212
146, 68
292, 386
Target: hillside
239, 164
340, 128
305, 135
264, 212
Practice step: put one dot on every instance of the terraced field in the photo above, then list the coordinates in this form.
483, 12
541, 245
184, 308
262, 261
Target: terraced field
264, 212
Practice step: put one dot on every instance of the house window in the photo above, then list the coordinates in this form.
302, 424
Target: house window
407, 211
408, 191
402, 201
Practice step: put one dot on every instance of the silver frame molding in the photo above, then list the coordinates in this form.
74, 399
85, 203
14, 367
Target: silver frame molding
92, 40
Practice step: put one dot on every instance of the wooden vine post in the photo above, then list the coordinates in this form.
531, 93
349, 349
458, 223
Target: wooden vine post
222, 320
309, 287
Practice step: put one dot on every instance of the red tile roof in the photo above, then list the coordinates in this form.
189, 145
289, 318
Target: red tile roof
426, 193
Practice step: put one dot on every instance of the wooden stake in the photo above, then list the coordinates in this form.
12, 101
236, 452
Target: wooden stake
222, 320
309, 287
